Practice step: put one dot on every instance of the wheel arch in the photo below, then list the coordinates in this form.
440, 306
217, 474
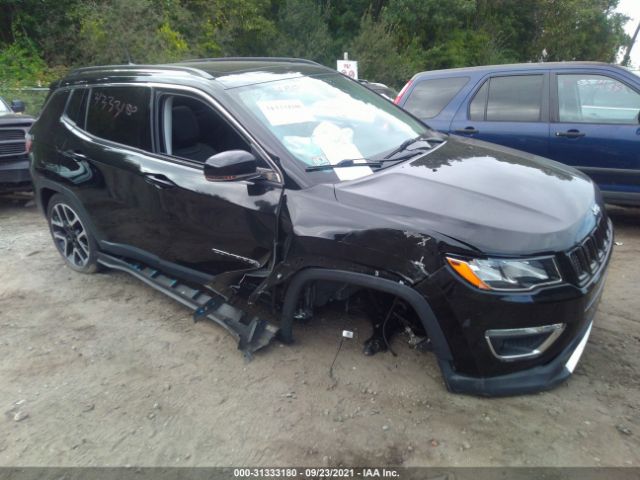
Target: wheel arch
45, 190
44, 196
405, 292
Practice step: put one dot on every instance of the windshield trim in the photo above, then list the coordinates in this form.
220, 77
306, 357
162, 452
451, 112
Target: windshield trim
293, 76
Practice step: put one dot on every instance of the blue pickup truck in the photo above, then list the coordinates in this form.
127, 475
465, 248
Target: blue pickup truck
584, 114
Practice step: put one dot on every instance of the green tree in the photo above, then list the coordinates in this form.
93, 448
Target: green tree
122, 31
21, 65
578, 30
302, 31
392, 39
375, 50
243, 27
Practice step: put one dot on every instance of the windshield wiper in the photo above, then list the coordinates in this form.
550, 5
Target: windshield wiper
411, 141
343, 163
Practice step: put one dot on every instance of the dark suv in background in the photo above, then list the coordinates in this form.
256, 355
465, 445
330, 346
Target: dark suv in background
283, 181
584, 114
14, 160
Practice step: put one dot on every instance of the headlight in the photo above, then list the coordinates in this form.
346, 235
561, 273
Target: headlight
503, 274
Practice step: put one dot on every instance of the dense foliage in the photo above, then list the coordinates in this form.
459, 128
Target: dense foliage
392, 39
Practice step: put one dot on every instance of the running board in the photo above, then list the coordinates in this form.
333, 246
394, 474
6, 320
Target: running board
251, 334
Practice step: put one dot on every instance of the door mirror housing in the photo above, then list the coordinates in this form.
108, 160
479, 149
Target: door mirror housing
230, 166
18, 106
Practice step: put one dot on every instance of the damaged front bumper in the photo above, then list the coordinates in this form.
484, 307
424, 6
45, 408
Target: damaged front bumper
560, 316
543, 377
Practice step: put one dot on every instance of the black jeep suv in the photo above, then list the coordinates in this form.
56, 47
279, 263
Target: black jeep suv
220, 181
14, 161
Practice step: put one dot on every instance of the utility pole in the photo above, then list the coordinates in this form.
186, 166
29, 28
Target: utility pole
633, 40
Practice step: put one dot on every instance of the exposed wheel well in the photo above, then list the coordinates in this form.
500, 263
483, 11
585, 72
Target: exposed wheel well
404, 292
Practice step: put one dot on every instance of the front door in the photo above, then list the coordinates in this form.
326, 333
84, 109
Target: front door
595, 128
211, 226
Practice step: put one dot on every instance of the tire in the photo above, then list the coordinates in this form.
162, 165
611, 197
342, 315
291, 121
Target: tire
70, 235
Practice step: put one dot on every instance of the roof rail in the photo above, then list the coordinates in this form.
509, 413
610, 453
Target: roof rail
111, 68
262, 59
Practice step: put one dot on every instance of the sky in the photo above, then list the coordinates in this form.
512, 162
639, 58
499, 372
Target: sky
631, 8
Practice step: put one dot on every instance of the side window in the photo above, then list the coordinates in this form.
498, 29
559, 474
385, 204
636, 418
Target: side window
478, 105
77, 106
50, 117
121, 114
191, 129
596, 99
429, 97
515, 98
508, 99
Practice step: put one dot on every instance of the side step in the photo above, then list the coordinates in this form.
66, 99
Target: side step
251, 334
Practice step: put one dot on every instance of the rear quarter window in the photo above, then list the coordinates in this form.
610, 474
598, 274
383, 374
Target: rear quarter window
429, 97
121, 114
76, 110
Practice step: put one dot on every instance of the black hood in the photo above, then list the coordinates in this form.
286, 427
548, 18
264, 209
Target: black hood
498, 200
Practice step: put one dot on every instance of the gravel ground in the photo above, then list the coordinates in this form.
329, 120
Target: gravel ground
102, 370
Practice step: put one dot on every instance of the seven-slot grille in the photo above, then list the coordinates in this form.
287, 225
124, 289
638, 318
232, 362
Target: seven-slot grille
587, 257
12, 141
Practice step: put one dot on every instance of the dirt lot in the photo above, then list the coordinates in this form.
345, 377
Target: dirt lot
103, 370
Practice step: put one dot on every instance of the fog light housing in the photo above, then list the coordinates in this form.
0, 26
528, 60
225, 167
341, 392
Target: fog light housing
511, 344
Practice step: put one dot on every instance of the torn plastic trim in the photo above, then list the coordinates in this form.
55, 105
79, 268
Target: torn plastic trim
406, 293
252, 334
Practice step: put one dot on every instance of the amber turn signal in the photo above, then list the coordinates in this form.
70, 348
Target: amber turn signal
463, 269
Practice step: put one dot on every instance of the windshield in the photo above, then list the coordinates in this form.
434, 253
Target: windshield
327, 119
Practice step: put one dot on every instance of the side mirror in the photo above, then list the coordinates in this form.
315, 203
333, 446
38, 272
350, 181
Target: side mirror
18, 106
231, 166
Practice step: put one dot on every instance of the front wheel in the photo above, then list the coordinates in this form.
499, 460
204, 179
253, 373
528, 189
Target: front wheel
71, 236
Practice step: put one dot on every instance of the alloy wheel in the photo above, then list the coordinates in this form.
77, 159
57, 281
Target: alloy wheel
70, 235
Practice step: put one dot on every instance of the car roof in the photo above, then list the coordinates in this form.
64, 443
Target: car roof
516, 66
239, 68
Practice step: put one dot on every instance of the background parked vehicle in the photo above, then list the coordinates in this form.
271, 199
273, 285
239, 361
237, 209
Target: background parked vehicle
584, 114
14, 160
380, 89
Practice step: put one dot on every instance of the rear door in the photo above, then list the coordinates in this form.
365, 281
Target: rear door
595, 127
435, 100
113, 182
508, 109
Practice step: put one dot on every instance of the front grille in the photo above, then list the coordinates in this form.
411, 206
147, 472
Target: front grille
12, 148
587, 257
12, 141
11, 135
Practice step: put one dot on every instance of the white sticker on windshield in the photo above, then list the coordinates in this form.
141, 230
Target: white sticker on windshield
337, 145
285, 112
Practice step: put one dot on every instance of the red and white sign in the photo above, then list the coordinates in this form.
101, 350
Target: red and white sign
348, 67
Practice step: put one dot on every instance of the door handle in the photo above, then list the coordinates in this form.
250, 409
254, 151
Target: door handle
158, 180
571, 134
467, 130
